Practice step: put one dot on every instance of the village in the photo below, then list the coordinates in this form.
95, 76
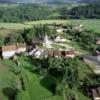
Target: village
55, 46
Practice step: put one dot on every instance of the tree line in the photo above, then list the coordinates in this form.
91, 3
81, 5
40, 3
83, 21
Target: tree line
25, 13
37, 12
87, 11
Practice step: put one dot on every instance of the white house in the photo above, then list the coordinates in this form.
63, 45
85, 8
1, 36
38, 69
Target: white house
21, 47
32, 52
9, 51
59, 39
60, 30
38, 53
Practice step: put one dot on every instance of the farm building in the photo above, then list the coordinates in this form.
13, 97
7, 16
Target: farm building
9, 51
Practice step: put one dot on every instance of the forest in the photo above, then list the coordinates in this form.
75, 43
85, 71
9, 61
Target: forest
30, 12
88, 11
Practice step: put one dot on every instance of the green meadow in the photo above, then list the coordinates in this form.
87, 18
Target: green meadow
92, 24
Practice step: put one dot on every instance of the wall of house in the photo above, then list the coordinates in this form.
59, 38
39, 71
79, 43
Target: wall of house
21, 50
71, 56
8, 54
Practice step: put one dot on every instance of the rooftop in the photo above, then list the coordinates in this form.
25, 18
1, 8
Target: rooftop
13, 47
9, 48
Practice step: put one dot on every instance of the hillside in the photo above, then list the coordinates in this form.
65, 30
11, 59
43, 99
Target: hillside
33, 12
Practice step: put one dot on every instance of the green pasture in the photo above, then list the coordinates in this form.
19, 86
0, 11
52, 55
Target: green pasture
92, 24
6, 79
7, 5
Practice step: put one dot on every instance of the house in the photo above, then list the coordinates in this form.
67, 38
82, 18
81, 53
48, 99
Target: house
32, 52
59, 38
69, 53
50, 53
98, 41
96, 93
38, 53
45, 54
9, 51
56, 53
60, 30
21, 47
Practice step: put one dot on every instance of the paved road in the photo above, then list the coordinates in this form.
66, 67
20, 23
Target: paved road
93, 59
94, 63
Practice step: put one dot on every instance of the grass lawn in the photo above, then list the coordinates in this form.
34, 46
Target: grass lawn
5, 32
15, 26
87, 23
36, 88
81, 96
8, 5
5, 78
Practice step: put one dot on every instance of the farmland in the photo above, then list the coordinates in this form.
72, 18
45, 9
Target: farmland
53, 40
36, 87
88, 24
6, 78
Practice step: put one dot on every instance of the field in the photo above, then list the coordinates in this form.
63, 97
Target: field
5, 5
88, 24
36, 88
6, 77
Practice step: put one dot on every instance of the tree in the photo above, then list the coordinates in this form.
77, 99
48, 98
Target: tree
14, 38
1, 40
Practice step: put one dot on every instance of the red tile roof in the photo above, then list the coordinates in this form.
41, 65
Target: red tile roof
13, 47
9, 48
